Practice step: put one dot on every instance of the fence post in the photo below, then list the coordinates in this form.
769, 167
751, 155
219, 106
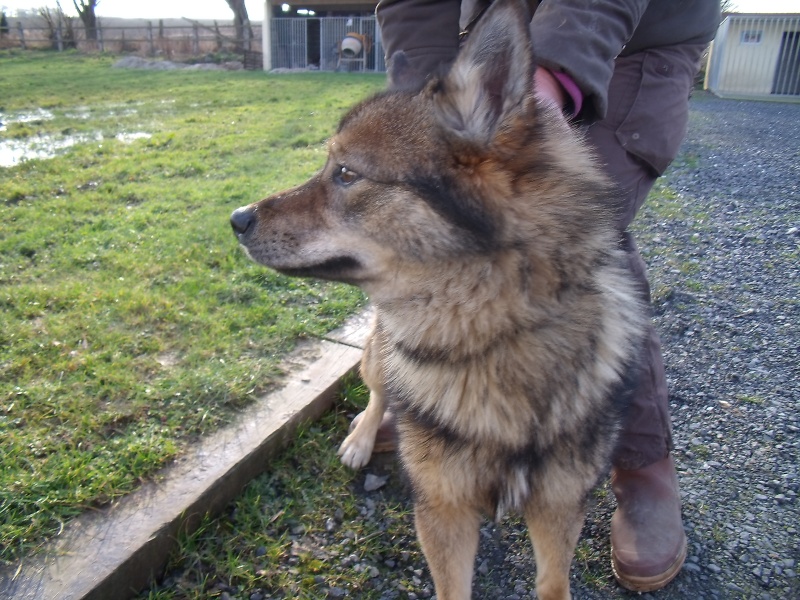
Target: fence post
59, 38
196, 40
21, 35
266, 36
246, 33
100, 45
150, 38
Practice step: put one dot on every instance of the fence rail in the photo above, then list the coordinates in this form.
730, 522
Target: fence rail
149, 39
296, 43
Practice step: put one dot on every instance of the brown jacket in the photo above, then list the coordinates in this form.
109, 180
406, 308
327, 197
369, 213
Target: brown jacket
578, 37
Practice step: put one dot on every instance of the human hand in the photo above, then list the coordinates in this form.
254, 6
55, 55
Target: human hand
547, 88
558, 89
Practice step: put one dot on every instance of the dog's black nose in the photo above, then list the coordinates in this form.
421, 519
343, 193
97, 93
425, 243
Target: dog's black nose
241, 219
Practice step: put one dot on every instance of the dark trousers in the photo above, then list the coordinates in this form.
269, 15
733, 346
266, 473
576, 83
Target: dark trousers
648, 113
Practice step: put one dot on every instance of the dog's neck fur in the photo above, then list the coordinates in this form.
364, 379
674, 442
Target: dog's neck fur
451, 344
452, 310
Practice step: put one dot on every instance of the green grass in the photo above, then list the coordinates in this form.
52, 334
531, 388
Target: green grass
591, 564
130, 322
750, 399
291, 530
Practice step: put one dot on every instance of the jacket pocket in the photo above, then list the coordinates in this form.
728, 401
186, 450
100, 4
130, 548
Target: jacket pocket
656, 121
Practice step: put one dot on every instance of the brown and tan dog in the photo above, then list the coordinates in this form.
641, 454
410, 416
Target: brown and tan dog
507, 326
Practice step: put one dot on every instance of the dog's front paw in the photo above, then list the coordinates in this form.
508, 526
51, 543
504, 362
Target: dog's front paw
356, 450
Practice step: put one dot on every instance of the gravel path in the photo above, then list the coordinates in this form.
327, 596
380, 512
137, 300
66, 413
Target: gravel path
725, 268
732, 348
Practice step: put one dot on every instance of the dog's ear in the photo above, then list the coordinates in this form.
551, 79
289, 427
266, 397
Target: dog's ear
492, 77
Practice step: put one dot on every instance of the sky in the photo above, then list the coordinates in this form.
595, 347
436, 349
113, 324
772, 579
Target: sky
218, 9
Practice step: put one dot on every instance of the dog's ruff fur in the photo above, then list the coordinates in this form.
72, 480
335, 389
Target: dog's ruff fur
507, 323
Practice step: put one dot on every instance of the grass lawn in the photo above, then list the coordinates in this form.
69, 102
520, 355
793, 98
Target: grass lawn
301, 528
130, 322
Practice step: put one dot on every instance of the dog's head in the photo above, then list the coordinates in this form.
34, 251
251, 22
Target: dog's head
412, 176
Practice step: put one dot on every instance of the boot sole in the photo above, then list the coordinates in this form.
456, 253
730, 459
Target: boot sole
653, 582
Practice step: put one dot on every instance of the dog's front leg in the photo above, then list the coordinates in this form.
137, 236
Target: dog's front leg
554, 527
356, 449
448, 534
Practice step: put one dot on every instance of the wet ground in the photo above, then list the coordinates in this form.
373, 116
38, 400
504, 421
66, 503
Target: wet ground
15, 149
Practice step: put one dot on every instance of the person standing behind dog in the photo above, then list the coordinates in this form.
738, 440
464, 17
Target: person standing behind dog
624, 69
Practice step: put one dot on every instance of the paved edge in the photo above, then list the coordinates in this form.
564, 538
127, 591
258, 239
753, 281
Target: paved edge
115, 553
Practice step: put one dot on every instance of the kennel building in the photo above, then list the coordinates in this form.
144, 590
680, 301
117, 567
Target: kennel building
756, 56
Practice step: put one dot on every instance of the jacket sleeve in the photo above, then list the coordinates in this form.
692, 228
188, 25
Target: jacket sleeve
426, 31
582, 39
578, 37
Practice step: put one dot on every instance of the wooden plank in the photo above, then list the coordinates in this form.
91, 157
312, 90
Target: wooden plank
115, 553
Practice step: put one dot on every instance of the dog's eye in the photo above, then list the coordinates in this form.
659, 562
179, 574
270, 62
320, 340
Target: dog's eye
344, 176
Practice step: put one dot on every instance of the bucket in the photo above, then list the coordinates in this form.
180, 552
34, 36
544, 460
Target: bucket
351, 46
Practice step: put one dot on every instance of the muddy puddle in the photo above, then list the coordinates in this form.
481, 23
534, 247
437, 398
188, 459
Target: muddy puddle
14, 151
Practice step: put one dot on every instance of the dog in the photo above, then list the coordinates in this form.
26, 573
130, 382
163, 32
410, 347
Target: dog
508, 327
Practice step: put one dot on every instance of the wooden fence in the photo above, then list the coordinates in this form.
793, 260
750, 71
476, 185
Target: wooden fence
294, 43
145, 39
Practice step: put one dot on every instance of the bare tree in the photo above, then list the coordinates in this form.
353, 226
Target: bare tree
59, 27
241, 24
88, 17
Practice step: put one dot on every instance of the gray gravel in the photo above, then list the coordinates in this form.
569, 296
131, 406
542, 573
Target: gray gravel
731, 346
725, 274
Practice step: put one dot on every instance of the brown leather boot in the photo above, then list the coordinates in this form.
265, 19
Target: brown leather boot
648, 544
386, 438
